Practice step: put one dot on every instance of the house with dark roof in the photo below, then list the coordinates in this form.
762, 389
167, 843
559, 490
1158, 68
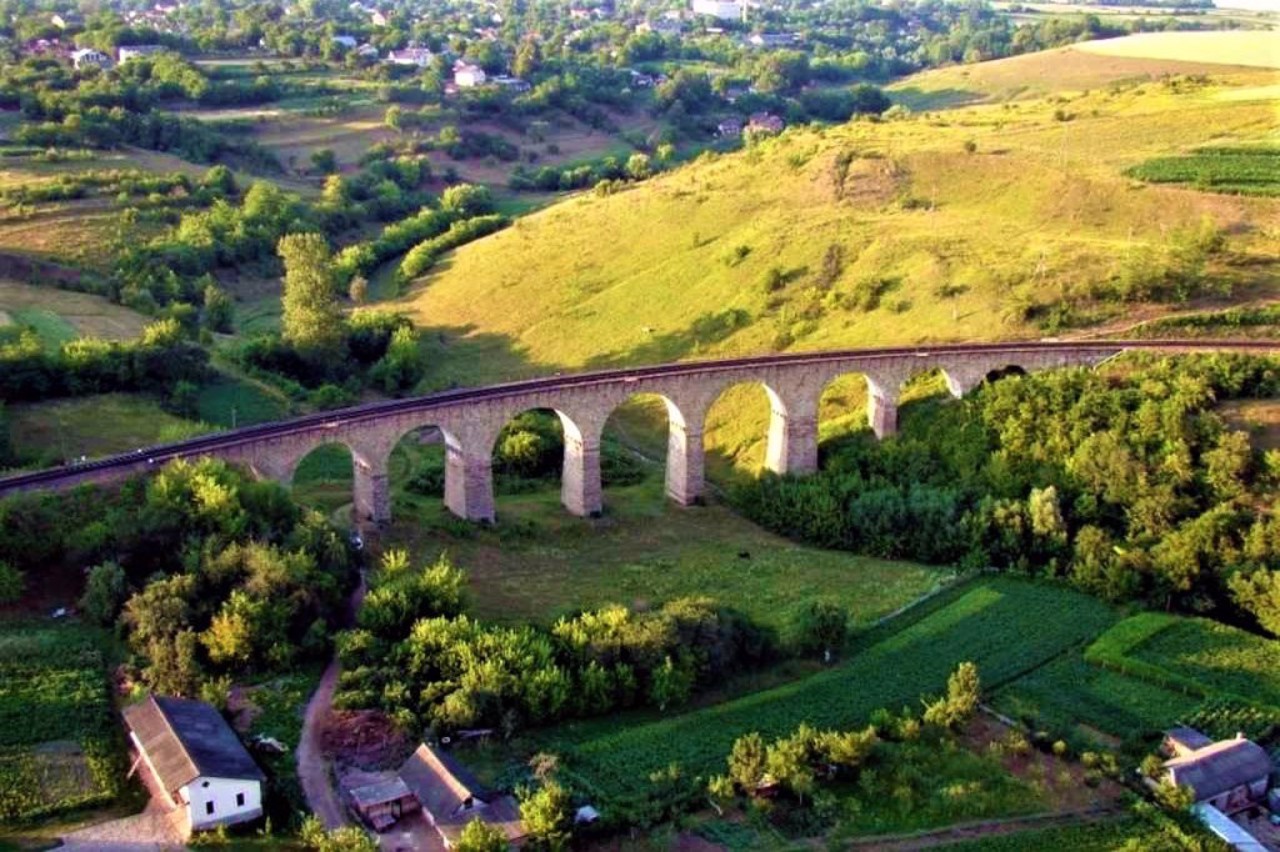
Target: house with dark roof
197, 761
451, 798
1229, 775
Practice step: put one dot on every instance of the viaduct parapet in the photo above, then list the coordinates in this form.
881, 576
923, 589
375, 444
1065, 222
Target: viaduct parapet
470, 420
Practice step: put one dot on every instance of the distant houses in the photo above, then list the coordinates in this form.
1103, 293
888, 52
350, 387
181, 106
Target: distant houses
724, 10
417, 56
764, 123
468, 76
88, 57
773, 40
197, 763
125, 53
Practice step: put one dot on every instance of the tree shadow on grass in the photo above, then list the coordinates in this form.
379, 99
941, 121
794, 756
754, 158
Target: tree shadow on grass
670, 346
918, 100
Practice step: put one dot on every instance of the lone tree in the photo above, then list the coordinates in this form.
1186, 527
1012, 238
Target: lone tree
312, 319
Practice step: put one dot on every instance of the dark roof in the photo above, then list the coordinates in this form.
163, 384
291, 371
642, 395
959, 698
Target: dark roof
380, 793
1220, 767
444, 789
1188, 738
185, 740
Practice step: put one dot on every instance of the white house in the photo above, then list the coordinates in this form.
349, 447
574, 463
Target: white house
196, 760
136, 51
467, 76
88, 56
419, 56
725, 10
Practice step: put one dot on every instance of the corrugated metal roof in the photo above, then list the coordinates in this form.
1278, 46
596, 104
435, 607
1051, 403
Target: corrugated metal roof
185, 740
1220, 767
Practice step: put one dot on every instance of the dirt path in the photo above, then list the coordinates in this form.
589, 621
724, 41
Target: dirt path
974, 830
313, 769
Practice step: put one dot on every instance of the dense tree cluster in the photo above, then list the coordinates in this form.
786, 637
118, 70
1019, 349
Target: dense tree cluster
157, 362
1130, 484
416, 654
203, 570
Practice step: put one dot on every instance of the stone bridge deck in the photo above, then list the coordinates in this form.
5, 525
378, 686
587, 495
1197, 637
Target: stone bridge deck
470, 420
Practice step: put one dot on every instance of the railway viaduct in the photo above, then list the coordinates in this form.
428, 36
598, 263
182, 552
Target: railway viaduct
470, 420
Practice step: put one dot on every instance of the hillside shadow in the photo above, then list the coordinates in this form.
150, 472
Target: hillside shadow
708, 329
457, 357
919, 100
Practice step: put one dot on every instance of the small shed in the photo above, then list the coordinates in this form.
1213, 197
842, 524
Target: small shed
450, 798
381, 804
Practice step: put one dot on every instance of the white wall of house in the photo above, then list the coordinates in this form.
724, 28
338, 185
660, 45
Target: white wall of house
232, 800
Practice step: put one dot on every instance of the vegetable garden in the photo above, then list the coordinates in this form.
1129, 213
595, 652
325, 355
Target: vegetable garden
59, 743
1239, 171
1006, 626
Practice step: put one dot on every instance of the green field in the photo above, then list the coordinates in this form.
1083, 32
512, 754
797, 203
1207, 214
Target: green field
1256, 48
1240, 171
60, 745
93, 426
1006, 626
540, 562
1222, 659
1070, 697
61, 315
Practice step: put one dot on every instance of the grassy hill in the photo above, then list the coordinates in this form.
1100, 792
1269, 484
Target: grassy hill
936, 242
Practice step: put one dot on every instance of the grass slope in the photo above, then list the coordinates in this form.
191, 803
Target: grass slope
1255, 48
92, 426
1006, 626
675, 268
541, 563
60, 315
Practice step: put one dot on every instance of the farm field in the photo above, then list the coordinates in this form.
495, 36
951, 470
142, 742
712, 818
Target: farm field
1044, 73
62, 315
1253, 48
1243, 171
1070, 697
60, 746
93, 426
1004, 625
1220, 658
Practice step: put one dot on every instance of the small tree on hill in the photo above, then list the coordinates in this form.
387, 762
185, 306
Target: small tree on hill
312, 320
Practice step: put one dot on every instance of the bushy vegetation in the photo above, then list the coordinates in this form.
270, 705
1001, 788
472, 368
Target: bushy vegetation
1128, 484
203, 571
60, 745
157, 362
417, 655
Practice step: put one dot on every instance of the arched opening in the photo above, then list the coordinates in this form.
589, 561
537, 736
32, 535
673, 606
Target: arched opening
528, 461
634, 448
324, 479
736, 432
416, 471
1003, 373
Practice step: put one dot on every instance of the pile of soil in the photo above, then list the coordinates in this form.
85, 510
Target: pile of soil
364, 739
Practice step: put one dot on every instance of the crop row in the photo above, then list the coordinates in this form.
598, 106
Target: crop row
1007, 627
1237, 171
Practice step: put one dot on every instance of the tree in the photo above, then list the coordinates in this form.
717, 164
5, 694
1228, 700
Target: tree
324, 161
1259, 594
961, 701
746, 762
639, 166
349, 838
219, 310
546, 817
359, 290
394, 118
12, 583
480, 836
104, 593
466, 200
312, 320
821, 627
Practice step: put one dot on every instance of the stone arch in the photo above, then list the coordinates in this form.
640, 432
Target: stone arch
328, 466
580, 463
683, 462
791, 439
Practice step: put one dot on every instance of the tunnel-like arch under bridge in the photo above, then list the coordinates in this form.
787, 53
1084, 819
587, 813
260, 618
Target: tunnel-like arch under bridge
469, 420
